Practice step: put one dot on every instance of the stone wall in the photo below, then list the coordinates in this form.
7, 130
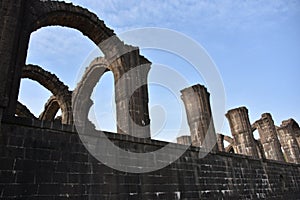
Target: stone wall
46, 160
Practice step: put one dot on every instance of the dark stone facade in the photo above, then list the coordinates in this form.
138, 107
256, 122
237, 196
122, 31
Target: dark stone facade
48, 161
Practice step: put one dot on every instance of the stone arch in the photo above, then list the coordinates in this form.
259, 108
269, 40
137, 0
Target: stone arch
50, 109
53, 84
81, 97
35, 14
23, 111
228, 139
254, 127
229, 149
50, 13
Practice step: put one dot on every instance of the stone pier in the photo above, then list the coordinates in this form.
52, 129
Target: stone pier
288, 141
131, 94
242, 132
268, 137
199, 116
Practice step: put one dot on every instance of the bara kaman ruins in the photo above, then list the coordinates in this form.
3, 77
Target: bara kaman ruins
44, 158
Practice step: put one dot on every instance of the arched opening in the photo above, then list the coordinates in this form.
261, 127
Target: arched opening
61, 51
33, 96
103, 111
61, 56
58, 115
51, 109
229, 149
226, 143
50, 13
256, 134
54, 13
61, 94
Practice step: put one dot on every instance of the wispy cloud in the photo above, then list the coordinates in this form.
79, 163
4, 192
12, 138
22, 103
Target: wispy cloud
192, 14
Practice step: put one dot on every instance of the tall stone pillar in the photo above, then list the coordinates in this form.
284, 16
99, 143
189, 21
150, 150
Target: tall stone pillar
241, 132
131, 94
289, 142
199, 116
268, 137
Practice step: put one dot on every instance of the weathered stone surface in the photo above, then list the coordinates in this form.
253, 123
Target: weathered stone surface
230, 148
199, 116
220, 142
260, 149
20, 18
295, 128
59, 90
23, 111
288, 141
51, 108
184, 139
242, 132
130, 71
42, 163
268, 137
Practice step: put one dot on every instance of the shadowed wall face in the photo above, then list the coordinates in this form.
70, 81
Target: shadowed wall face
242, 132
48, 161
220, 142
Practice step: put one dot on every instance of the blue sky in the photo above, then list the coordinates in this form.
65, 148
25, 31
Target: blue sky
254, 44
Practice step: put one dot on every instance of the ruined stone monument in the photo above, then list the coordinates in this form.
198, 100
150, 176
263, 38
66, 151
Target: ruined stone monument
44, 157
242, 132
289, 142
199, 116
268, 137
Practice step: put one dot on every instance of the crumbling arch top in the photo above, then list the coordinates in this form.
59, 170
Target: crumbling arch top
55, 86
23, 111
